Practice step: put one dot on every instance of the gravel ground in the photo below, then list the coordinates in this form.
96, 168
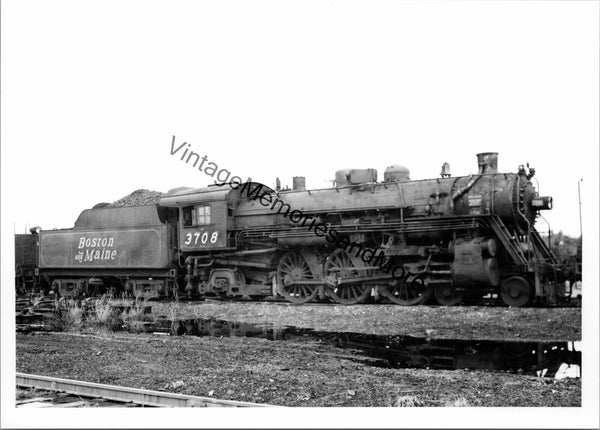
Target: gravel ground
307, 371
291, 373
461, 322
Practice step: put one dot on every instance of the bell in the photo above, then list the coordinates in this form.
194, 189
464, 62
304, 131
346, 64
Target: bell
445, 170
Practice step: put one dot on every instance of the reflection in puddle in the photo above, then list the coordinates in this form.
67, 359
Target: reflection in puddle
548, 359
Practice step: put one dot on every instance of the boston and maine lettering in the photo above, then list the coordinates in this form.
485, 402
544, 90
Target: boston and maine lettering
96, 249
96, 242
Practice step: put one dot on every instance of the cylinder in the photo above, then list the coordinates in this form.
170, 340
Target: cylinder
487, 162
471, 266
299, 183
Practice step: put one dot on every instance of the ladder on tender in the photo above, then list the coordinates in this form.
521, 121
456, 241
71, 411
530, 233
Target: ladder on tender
511, 244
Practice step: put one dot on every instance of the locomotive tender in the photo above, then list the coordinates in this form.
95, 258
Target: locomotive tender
454, 239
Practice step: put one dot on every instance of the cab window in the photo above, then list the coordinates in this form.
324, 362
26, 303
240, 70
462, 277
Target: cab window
196, 215
202, 215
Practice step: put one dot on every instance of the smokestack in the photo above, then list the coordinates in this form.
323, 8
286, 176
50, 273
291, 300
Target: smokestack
488, 162
299, 183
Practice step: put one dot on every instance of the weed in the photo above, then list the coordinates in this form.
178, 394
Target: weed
408, 402
103, 315
135, 318
174, 315
169, 309
71, 315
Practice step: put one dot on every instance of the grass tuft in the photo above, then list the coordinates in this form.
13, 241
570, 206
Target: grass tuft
71, 315
103, 316
135, 319
408, 402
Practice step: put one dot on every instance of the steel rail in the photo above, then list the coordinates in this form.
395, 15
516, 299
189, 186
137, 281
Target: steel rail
124, 394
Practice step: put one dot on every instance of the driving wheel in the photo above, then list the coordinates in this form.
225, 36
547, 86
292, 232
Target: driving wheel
341, 265
408, 291
294, 267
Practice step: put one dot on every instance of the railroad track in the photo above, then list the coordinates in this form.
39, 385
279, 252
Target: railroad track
118, 394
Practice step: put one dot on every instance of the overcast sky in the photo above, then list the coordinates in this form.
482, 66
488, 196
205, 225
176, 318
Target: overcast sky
92, 93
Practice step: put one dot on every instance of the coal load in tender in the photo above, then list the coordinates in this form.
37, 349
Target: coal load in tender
137, 198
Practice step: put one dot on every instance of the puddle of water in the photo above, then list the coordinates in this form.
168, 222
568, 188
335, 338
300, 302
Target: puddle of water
547, 359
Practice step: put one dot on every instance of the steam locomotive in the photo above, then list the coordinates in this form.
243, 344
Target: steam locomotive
449, 239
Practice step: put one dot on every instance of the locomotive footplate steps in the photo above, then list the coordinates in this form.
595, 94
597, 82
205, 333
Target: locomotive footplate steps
546, 253
509, 242
124, 394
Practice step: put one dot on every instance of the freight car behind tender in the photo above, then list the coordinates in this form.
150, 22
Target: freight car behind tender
26, 263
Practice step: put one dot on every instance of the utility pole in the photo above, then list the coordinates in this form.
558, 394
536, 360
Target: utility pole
579, 195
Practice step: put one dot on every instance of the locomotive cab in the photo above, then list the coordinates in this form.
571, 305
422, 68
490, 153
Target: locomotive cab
207, 225
205, 216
